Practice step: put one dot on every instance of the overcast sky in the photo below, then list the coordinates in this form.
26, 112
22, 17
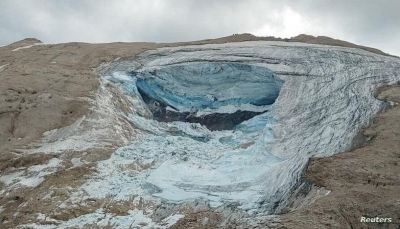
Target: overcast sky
374, 23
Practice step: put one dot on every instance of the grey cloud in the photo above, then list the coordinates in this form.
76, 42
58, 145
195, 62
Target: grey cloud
372, 23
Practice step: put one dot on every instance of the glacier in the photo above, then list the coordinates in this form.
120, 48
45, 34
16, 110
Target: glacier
311, 100
193, 162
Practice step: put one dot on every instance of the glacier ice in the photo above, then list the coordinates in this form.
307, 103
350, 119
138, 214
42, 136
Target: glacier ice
317, 98
209, 85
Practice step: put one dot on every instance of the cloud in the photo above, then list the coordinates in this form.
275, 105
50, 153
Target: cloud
283, 23
372, 23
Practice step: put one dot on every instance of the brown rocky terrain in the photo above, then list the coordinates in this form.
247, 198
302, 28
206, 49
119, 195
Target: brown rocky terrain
49, 86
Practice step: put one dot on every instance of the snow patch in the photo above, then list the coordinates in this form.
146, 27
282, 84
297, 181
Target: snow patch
32, 176
11, 178
76, 162
134, 219
26, 47
32, 181
2, 67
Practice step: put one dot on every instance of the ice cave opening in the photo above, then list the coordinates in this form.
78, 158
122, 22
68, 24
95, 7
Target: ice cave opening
216, 95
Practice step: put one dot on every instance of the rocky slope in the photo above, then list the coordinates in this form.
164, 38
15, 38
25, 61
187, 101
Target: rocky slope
325, 100
363, 182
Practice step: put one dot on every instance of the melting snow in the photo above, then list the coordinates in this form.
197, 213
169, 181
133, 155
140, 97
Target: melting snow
32, 176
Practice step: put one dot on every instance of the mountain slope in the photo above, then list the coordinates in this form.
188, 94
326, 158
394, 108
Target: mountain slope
64, 129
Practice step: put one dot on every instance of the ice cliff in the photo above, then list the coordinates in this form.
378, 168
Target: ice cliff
307, 100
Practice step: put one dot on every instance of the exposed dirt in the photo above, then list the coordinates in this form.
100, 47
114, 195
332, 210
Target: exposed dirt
199, 219
364, 182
